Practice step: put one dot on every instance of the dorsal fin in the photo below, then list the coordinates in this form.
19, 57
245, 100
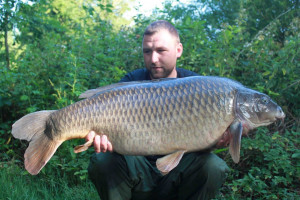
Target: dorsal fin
92, 92
106, 88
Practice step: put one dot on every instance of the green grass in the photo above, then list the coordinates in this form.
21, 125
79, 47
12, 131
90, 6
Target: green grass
16, 184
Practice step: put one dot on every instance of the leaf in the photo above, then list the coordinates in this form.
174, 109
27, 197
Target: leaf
296, 155
266, 73
283, 71
31, 109
24, 98
220, 150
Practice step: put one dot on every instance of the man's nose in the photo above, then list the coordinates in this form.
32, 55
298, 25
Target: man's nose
154, 57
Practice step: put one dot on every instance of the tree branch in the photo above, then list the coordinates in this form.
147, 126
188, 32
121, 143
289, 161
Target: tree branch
262, 31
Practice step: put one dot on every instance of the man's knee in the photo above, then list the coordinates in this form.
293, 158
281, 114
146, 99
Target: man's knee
105, 163
215, 164
216, 170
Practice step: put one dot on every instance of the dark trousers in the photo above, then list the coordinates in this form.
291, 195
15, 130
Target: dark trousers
198, 176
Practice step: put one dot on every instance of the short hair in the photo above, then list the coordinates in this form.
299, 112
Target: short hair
162, 25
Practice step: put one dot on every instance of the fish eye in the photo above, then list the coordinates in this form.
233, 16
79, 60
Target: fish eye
264, 100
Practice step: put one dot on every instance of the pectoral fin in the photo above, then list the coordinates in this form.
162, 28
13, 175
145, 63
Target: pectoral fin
83, 147
169, 162
236, 130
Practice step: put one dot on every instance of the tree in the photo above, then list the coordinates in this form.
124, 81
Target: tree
6, 8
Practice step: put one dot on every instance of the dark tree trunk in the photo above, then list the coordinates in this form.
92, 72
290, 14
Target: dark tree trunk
6, 39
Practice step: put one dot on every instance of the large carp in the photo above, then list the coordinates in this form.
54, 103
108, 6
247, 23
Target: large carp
161, 117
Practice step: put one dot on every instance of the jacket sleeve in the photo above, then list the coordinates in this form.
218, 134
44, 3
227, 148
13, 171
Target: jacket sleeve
136, 75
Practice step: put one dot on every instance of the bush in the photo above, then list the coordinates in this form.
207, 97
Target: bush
268, 168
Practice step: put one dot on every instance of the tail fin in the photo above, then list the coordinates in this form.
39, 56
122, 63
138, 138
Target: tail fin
41, 148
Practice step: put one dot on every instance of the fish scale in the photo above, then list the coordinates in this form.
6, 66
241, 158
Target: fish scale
161, 117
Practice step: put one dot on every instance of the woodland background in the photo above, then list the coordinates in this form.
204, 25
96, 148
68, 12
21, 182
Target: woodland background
53, 50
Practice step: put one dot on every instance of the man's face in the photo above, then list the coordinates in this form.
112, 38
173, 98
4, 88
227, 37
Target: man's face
161, 51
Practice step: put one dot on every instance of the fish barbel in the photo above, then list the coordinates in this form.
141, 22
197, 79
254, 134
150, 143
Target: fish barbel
160, 117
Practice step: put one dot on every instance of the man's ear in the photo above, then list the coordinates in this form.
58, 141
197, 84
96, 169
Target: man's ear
179, 49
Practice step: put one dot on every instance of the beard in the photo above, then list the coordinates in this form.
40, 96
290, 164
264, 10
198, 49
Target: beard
161, 72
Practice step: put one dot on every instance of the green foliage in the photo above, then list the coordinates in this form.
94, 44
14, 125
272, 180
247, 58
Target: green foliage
268, 168
65, 163
62, 48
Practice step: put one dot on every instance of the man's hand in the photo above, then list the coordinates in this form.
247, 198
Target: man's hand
225, 140
101, 143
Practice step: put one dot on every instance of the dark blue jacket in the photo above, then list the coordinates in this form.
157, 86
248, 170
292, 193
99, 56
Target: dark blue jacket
143, 74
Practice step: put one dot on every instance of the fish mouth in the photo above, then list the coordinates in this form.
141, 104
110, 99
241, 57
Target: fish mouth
278, 121
280, 114
279, 117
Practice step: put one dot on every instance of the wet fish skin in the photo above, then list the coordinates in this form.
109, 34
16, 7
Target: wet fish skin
133, 118
168, 116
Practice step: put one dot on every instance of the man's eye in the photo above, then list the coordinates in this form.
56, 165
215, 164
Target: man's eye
147, 51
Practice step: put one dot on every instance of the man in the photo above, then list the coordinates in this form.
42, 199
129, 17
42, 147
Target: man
198, 175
